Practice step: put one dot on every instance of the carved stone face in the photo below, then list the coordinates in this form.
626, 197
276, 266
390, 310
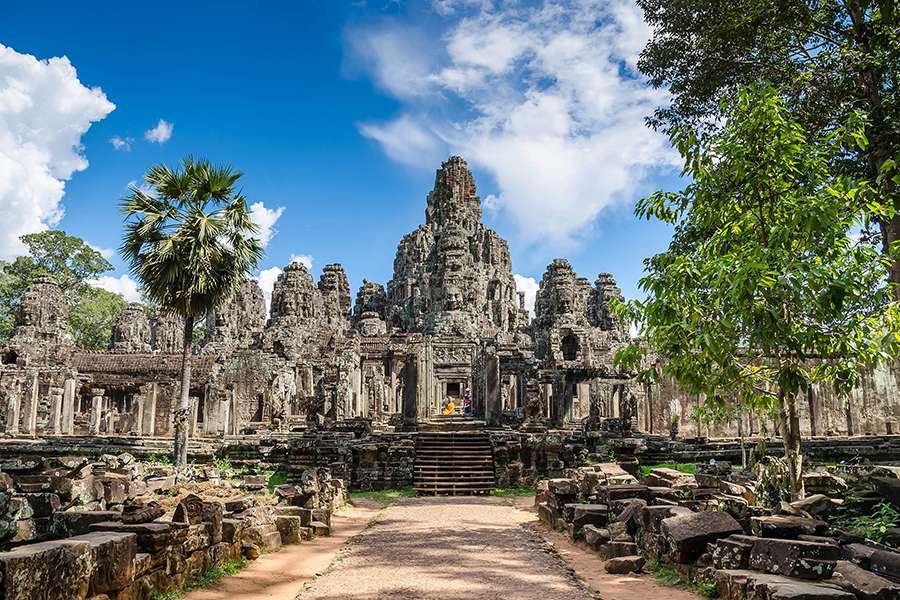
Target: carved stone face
454, 299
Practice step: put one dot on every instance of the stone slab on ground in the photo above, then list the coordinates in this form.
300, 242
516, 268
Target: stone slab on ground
794, 558
689, 534
865, 585
738, 584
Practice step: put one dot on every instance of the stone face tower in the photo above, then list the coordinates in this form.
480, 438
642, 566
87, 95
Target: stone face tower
131, 332
335, 289
239, 321
296, 312
42, 318
452, 275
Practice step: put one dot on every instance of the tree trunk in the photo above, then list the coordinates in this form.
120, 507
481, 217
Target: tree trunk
182, 413
790, 425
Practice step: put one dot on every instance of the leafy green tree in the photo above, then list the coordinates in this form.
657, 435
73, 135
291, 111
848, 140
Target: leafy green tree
189, 243
763, 290
71, 262
827, 58
93, 316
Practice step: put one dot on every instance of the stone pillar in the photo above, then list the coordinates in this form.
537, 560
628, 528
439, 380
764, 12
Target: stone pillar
54, 423
12, 413
68, 407
148, 417
96, 410
138, 421
29, 426
410, 391
584, 398
492, 407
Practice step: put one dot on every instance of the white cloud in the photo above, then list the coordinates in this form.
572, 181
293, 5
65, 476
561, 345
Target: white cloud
106, 253
44, 112
265, 219
161, 133
120, 143
406, 139
544, 98
304, 259
530, 287
122, 285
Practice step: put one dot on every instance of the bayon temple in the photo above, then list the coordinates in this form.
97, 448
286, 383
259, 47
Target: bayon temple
449, 323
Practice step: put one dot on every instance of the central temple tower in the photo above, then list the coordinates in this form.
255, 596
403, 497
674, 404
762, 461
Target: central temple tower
452, 275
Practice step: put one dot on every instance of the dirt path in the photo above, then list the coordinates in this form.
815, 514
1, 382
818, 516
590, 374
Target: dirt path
448, 549
588, 566
280, 575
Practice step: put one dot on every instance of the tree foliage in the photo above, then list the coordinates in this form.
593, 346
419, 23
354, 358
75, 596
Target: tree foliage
71, 262
829, 59
93, 317
190, 243
764, 288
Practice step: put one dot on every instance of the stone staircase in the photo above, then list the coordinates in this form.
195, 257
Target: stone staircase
454, 463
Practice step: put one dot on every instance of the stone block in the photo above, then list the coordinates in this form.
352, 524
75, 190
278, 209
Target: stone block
590, 514
889, 489
290, 528
652, 516
739, 584
814, 505
595, 536
794, 558
213, 513
319, 528
264, 537
624, 564
113, 555
43, 504
688, 534
305, 514
151, 537
886, 564
322, 515
865, 585
232, 530
58, 570
733, 552
617, 549
786, 527
240, 504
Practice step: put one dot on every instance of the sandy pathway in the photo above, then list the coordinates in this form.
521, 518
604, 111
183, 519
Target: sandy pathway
448, 549
280, 575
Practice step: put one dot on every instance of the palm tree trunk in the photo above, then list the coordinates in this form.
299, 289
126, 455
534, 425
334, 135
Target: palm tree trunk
182, 413
790, 435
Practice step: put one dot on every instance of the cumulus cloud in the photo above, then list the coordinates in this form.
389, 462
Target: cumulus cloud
106, 253
122, 285
122, 143
546, 98
44, 112
530, 287
304, 259
161, 133
265, 219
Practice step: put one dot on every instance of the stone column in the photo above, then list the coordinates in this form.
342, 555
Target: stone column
29, 426
492, 407
54, 423
12, 413
138, 422
96, 410
410, 391
148, 417
68, 407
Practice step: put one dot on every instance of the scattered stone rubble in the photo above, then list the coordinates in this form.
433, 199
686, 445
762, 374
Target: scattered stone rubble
121, 529
708, 527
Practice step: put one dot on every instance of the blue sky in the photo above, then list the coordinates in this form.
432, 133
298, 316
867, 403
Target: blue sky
338, 114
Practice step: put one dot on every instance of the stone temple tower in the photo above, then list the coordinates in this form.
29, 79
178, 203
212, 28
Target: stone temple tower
452, 275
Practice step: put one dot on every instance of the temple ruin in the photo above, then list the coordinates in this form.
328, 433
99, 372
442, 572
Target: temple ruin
449, 320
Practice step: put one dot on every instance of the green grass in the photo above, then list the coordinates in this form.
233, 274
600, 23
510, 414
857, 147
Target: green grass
206, 579
275, 479
689, 468
525, 490
666, 575
384, 495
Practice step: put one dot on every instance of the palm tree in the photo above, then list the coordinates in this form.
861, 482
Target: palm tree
189, 241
